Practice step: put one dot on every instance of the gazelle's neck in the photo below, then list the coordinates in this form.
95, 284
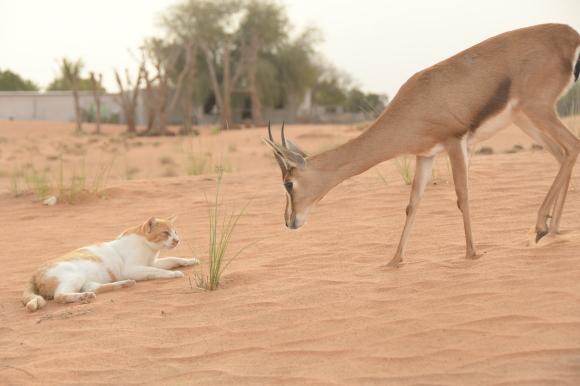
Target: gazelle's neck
373, 146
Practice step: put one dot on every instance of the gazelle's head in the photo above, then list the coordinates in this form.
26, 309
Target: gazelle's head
303, 184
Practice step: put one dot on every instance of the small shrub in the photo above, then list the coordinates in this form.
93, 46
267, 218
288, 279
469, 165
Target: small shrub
404, 168
195, 165
485, 150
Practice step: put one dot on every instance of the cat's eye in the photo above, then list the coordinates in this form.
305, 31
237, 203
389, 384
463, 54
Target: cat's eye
167, 233
288, 185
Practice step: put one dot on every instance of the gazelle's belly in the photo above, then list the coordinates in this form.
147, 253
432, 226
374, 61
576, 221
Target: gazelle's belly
486, 130
493, 124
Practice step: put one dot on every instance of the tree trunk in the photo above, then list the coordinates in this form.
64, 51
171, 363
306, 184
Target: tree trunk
252, 69
149, 101
79, 121
96, 85
227, 95
128, 99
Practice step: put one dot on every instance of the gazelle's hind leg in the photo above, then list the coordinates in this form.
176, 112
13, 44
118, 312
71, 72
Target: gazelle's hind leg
457, 150
546, 120
99, 288
557, 151
68, 290
423, 168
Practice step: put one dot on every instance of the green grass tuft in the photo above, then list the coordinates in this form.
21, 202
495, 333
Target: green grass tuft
405, 170
220, 234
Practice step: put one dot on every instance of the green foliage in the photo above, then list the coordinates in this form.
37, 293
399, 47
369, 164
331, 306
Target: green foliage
358, 101
219, 240
569, 104
67, 185
69, 76
11, 81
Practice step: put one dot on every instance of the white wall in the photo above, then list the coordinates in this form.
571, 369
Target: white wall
51, 106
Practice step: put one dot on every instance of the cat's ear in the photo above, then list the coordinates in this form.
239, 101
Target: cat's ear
172, 219
149, 225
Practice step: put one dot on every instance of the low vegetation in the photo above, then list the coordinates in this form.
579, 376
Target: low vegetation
221, 229
405, 169
67, 185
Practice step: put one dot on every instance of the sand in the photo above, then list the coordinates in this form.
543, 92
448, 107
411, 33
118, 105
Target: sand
306, 307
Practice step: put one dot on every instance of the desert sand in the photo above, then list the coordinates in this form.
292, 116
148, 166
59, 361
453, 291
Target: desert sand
307, 307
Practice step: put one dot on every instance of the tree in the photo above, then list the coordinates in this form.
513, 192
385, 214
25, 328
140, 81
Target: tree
211, 25
569, 104
96, 89
286, 74
11, 81
70, 79
128, 97
332, 87
358, 101
263, 28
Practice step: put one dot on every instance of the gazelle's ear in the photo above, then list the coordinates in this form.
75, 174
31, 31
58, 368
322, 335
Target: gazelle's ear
172, 219
296, 149
293, 159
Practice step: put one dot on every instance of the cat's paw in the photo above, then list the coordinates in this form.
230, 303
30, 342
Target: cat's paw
190, 262
87, 297
178, 274
127, 283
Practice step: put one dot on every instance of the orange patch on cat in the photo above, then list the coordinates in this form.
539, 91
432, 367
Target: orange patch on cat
112, 275
155, 230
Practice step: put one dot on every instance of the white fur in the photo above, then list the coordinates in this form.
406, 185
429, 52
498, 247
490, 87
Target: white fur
127, 259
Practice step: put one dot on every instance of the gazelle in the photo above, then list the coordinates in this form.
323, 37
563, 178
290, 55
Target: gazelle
515, 77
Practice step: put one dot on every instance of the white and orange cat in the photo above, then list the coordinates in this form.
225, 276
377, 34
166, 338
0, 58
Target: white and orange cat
81, 274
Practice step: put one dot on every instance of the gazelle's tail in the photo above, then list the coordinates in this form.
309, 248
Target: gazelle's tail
31, 299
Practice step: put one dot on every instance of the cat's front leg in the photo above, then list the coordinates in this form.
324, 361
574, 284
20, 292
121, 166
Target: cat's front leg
173, 262
148, 273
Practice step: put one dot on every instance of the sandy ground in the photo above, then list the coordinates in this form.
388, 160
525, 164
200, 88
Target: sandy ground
307, 307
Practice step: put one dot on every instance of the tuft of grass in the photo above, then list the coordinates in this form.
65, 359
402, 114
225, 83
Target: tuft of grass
232, 148
195, 165
215, 130
381, 176
166, 160
67, 185
220, 234
405, 170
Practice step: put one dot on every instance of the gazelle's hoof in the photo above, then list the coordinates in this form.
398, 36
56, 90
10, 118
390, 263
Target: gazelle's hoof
540, 234
473, 255
396, 262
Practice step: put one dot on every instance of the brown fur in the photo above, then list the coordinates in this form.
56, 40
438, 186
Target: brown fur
441, 104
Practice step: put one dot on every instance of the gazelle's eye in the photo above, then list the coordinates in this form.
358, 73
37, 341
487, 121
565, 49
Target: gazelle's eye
288, 185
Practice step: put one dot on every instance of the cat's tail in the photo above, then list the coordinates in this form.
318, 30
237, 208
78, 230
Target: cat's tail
31, 299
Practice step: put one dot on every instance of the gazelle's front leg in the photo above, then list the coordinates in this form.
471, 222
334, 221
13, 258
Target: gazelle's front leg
174, 262
423, 168
148, 273
457, 150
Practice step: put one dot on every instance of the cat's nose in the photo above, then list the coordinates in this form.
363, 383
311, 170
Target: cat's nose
175, 242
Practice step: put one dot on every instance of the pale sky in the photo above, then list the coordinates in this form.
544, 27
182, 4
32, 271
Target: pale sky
380, 43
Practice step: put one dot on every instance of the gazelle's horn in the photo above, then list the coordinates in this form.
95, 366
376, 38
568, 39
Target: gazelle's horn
283, 137
270, 132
